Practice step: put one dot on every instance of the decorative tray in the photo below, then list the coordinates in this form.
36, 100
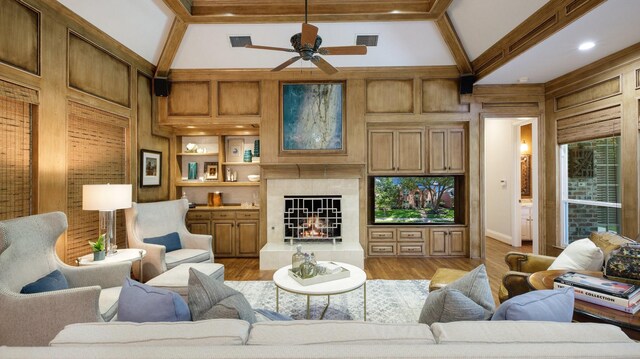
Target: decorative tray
320, 278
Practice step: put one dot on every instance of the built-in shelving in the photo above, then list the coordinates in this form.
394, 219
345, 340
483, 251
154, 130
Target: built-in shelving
197, 154
216, 184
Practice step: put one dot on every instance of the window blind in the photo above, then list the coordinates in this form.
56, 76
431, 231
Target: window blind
589, 126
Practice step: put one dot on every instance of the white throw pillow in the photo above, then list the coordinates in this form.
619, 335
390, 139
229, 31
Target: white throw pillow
580, 255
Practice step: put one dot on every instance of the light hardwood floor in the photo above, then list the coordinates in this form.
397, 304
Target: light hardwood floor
396, 268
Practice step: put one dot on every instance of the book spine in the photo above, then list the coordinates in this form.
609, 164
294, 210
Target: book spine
596, 297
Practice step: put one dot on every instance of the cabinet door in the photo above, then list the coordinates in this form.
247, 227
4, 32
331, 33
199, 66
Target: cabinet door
223, 235
198, 227
409, 150
381, 153
438, 245
456, 242
455, 150
247, 238
437, 150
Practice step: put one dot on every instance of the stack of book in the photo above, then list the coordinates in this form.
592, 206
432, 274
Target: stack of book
616, 295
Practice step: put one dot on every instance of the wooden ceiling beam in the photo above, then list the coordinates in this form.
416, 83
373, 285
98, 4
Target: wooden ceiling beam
181, 8
176, 33
440, 7
453, 42
549, 19
270, 19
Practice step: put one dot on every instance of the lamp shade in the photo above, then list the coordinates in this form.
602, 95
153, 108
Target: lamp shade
106, 197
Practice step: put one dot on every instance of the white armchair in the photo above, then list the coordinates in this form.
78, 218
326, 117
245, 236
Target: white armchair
27, 253
148, 220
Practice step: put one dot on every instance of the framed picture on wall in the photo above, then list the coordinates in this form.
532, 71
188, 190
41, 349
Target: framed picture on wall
312, 118
235, 149
150, 168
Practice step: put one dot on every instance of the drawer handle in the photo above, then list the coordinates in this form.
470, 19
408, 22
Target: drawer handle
382, 249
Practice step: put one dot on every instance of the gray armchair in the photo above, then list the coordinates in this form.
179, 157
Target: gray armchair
154, 219
27, 253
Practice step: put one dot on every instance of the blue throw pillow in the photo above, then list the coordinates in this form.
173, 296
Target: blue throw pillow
269, 315
52, 281
542, 305
171, 241
143, 303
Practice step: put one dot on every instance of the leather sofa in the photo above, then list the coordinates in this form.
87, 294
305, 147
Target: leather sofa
230, 338
521, 266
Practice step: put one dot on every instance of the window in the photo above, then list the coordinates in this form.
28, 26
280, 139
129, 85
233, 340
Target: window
590, 182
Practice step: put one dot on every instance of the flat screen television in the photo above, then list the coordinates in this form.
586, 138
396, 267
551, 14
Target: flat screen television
416, 200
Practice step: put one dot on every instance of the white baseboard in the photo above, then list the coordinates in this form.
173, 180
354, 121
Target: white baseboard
499, 236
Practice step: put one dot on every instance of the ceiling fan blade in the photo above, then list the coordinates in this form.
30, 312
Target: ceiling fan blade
269, 48
309, 33
323, 65
287, 63
344, 50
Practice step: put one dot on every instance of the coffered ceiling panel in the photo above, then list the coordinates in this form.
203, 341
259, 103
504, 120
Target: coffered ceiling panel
410, 43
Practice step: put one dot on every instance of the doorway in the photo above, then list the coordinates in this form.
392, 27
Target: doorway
510, 181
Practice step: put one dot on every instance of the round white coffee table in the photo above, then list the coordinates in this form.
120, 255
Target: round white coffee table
122, 255
356, 279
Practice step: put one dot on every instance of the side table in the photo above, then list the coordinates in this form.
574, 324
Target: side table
122, 255
590, 312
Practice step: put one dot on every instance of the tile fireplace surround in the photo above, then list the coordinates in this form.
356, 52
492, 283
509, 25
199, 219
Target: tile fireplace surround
277, 253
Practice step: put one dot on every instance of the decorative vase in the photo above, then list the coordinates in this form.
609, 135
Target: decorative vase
192, 170
256, 148
247, 156
98, 256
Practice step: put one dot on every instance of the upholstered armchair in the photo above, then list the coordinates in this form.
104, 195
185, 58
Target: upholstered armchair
27, 253
521, 265
155, 219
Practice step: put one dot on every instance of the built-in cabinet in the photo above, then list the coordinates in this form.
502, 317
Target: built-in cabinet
446, 150
236, 233
396, 151
392, 241
447, 241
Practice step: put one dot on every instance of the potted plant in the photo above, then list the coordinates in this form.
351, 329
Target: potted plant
98, 248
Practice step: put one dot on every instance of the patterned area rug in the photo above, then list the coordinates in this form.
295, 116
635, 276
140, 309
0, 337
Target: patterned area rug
388, 301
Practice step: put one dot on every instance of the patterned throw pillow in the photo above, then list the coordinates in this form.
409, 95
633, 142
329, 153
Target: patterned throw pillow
608, 242
468, 298
209, 298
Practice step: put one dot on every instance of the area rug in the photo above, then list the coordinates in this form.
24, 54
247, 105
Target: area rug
388, 301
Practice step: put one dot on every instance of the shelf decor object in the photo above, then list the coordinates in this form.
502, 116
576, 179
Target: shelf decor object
106, 198
313, 118
150, 168
192, 170
211, 171
247, 156
235, 149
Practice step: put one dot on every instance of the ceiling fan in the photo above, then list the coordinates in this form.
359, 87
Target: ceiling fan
307, 45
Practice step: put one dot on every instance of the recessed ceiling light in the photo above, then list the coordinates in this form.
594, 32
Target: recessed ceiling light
586, 45
523, 80
395, 12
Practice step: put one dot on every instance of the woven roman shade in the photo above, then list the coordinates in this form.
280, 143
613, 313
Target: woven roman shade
97, 154
18, 93
15, 158
590, 126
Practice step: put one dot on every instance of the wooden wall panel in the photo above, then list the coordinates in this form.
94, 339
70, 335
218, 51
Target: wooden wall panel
21, 45
389, 96
637, 78
15, 159
594, 92
148, 140
238, 98
190, 98
442, 95
97, 154
98, 72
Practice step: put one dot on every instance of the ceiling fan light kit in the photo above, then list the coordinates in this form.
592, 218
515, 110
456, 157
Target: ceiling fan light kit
307, 44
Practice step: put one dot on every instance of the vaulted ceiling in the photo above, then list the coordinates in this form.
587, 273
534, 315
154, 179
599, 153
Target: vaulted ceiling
500, 41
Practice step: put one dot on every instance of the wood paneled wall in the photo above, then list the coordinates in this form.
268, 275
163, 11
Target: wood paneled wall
47, 48
606, 90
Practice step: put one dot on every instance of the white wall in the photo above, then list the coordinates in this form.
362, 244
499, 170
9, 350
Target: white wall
499, 166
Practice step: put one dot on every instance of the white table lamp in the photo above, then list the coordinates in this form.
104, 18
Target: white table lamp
106, 198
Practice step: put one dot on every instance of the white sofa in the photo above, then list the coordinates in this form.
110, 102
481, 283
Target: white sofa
229, 338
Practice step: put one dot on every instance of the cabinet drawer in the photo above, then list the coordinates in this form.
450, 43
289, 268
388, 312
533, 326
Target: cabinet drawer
382, 249
224, 215
411, 249
247, 215
410, 234
198, 215
388, 234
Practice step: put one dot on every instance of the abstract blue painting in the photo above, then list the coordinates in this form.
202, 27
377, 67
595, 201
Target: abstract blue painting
312, 117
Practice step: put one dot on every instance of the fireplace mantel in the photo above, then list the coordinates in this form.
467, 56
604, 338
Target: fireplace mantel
311, 171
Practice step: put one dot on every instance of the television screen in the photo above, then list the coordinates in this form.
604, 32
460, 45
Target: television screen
415, 200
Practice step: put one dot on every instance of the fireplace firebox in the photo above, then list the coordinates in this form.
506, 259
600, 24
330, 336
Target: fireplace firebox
315, 219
